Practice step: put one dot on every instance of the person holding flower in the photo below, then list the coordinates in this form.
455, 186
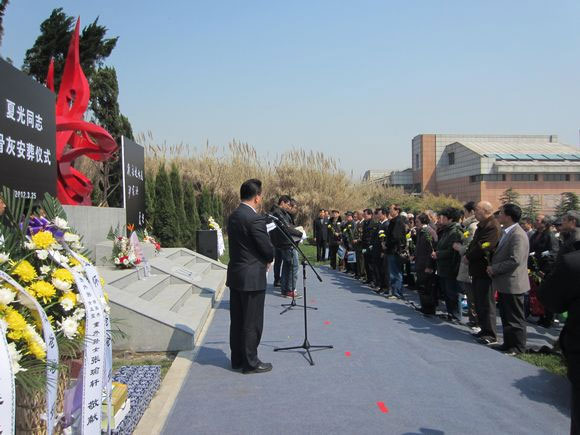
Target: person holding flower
478, 255
448, 260
469, 226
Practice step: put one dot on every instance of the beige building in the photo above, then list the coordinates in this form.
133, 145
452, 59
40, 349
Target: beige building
482, 167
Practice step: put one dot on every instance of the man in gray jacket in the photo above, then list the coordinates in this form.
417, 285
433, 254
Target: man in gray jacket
509, 274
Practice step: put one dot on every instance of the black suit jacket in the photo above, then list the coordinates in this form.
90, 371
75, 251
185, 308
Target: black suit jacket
320, 230
250, 250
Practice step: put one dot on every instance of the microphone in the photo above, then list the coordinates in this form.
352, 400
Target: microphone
274, 218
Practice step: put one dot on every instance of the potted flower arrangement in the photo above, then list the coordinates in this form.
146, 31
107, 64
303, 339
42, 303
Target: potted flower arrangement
123, 255
32, 252
146, 238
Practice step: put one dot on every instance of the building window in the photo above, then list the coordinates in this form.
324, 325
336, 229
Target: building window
487, 177
451, 157
556, 177
417, 161
525, 177
577, 177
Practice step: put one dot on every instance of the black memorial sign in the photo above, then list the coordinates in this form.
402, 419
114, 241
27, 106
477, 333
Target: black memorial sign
27, 135
134, 183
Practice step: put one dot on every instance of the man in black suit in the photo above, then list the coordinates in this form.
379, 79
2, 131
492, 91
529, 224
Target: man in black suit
559, 292
321, 235
251, 254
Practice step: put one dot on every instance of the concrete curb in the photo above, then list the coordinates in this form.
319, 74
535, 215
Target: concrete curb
156, 415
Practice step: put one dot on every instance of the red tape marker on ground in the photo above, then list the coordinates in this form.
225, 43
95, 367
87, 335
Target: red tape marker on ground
327, 322
347, 354
383, 407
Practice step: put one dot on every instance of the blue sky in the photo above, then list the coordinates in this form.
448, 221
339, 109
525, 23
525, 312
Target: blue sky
356, 80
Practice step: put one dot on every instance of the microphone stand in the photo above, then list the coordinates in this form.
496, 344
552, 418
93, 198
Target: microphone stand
306, 344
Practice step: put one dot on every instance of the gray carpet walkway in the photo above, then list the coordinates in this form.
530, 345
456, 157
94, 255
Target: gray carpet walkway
392, 371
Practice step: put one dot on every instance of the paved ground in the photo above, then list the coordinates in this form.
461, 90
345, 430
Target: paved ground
391, 371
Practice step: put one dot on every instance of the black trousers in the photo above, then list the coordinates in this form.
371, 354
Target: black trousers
321, 250
381, 268
427, 292
368, 260
575, 410
332, 251
360, 263
277, 264
485, 306
513, 320
246, 325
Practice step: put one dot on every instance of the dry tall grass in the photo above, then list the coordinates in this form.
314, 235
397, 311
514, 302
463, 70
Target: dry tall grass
312, 178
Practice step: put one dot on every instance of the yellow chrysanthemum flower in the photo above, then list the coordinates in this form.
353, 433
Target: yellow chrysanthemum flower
106, 296
70, 296
43, 290
14, 320
408, 235
36, 349
63, 275
73, 261
466, 234
25, 271
81, 328
102, 281
485, 245
43, 240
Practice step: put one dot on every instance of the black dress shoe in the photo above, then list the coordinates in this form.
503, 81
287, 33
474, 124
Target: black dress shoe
276, 283
260, 368
236, 367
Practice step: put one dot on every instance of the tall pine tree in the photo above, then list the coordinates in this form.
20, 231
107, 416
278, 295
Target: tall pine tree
191, 212
165, 222
205, 206
177, 190
149, 201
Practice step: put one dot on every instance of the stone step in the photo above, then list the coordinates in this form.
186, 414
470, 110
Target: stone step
212, 280
184, 260
196, 309
173, 297
149, 287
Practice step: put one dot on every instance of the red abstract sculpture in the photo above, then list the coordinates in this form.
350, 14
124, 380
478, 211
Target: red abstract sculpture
74, 136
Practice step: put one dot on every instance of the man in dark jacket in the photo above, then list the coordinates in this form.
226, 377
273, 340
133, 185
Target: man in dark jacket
560, 292
280, 240
320, 235
544, 248
479, 254
369, 227
380, 264
448, 260
396, 244
425, 264
251, 253
334, 233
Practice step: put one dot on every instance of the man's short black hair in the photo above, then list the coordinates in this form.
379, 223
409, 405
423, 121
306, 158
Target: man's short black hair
368, 211
513, 211
250, 189
384, 211
335, 211
572, 215
424, 219
469, 206
397, 207
526, 220
284, 198
451, 213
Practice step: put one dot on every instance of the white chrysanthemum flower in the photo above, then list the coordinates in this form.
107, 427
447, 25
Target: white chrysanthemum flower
44, 270
4, 257
61, 223
117, 261
7, 296
42, 254
71, 238
105, 305
79, 314
61, 285
30, 246
78, 268
69, 327
36, 336
67, 304
77, 246
3, 325
125, 262
58, 257
57, 246
15, 357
